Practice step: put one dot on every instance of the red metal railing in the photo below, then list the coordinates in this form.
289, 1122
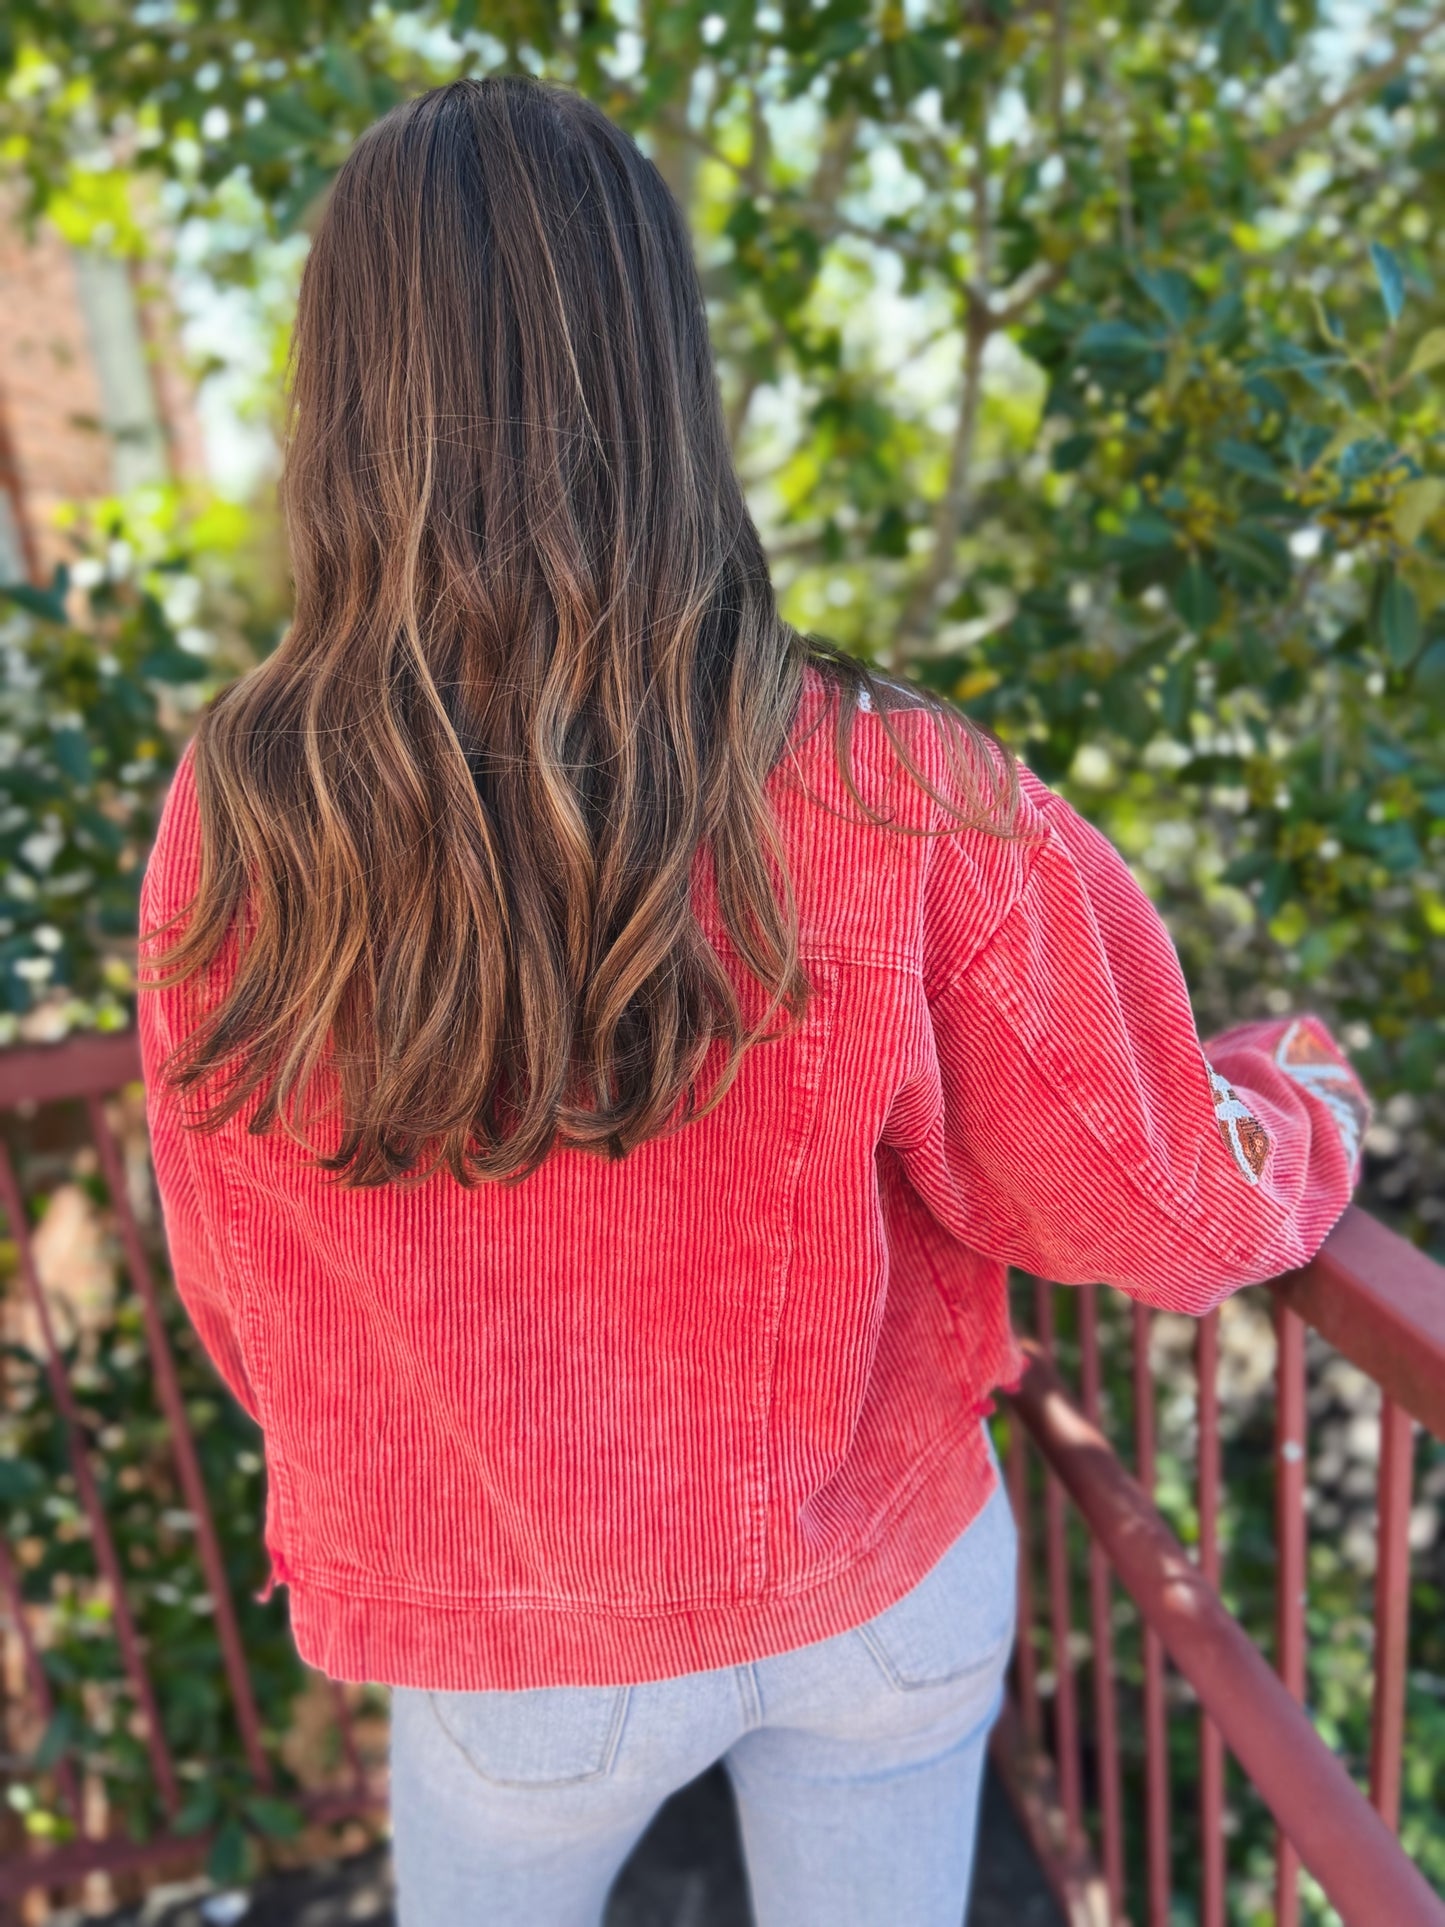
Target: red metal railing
91, 1071
1369, 1294
1381, 1303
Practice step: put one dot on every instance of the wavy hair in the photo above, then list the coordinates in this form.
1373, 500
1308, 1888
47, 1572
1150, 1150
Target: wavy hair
451, 827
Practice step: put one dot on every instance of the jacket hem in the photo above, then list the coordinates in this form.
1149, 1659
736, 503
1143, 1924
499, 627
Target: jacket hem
483, 1646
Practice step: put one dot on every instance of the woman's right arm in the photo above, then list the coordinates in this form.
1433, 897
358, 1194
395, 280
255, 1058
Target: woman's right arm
1089, 1135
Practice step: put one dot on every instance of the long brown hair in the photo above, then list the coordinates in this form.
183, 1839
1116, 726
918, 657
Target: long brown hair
450, 828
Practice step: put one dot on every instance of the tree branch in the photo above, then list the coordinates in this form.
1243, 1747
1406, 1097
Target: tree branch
839, 144
760, 139
1058, 45
675, 120
1031, 287
809, 547
736, 414
836, 151
952, 505
1283, 144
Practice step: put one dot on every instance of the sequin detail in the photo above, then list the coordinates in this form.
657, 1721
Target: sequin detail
1245, 1137
1302, 1054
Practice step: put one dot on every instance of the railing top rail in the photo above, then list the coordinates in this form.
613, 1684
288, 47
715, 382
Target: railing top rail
89, 1066
1338, 1835
1381, 1302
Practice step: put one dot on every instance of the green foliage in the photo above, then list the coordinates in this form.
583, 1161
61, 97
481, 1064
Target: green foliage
99, 673
81, 765
1083, 362
85, 756
94, 1728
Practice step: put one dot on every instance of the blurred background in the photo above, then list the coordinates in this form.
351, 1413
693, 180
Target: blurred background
1083, 361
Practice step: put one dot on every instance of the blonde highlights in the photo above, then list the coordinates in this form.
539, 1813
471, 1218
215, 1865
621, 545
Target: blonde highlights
451, 829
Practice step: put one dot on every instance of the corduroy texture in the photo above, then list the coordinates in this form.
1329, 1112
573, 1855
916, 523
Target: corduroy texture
630, 1419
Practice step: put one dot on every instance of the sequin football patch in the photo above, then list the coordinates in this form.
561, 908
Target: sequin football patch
1302, 1054
1245, 1138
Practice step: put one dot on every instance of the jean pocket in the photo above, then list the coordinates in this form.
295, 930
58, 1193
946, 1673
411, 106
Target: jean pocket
958, 1622
545, 1736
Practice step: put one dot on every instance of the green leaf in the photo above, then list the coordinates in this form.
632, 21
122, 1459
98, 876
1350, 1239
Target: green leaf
1397, 621
1115, 341
745, 222
1248, 868
276, 1819
1195, 595
56, 1741
1225, 322
1276, 887
1248, 460
1071, 453
1395, 846
1170, 291
1428, 683
288, 110
1149, 531
916, 62
1415, 507
1420, 1056
345, 70
1255, 657
265, 143
890, 537
1177, 700
1429, 352
170, 664
1125, 707
1365, 458
200, 1809
1391, 280
309, 181
1256, 553
226, 1862
44, 603
72, 751
19, 1480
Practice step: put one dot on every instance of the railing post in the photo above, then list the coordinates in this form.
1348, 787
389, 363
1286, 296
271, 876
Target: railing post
1156, 1735
183, 1450
35, 1676
1211, 1746
88, 1492
1106, 1712
1291, 1547
1392, 1609
1066, 1706
1025, 1658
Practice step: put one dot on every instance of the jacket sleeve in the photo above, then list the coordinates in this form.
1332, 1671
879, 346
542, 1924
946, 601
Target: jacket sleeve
169, 883
1090, 1137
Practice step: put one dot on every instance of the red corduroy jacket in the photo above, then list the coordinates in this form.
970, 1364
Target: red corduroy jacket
723, 1397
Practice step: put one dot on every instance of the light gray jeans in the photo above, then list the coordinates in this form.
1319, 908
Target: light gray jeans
857, 1764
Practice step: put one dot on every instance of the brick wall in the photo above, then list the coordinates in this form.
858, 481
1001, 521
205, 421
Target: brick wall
93, 391
49, 387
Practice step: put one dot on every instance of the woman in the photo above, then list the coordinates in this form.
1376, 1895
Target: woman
604, 1051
